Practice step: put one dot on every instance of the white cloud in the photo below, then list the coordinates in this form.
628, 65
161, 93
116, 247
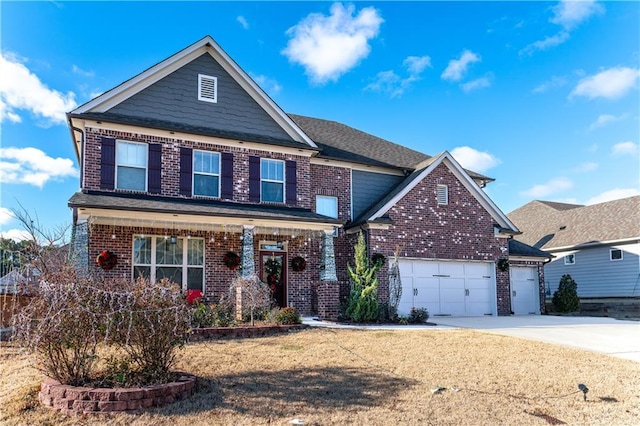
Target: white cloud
32, 166
605, 120
554, 83
329, 46
586, 167
551, 187
480, 83
20, 89
416, 64
546, 43
613, 194
81, 72
457, 67
6, 215
571, 13
475, 160
391, 83
242, 21
611, 83
269, 85
16, 235
625, 148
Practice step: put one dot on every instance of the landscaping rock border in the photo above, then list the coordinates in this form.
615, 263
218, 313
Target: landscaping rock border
207, 333
84, 400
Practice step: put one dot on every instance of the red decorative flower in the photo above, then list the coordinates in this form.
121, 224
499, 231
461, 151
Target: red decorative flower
107, 260
193, 296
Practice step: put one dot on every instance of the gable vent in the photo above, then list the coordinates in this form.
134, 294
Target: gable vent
207, 88
442, 195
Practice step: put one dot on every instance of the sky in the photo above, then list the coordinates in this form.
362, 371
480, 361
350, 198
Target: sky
541, 96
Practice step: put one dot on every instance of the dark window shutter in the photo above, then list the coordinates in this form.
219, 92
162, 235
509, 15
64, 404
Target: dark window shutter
292, 183
226, 176
155, 168
254, 179
186, 168
108, 163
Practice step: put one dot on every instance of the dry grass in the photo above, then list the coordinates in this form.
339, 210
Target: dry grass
371, 378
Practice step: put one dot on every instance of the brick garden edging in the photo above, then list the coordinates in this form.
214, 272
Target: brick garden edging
206, 333
84, 400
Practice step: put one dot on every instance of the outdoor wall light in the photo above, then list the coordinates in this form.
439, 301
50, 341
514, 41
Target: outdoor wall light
174, 239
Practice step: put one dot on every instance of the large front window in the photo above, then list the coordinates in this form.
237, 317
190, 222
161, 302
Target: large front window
131, 161
272, 180
206, 173
181, 260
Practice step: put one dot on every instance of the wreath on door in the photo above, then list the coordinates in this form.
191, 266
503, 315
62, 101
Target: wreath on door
107, 260
298, 264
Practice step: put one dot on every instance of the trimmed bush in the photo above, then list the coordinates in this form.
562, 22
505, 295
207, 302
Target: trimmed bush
565, 299
418, 316
363, 299
288, 316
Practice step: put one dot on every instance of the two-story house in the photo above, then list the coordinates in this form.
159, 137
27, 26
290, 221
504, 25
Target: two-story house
190, 163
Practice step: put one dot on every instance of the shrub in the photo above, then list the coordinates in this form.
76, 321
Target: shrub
223, 313
288, 315
565, 299
202, 315
418, 316
256, 296
363, 299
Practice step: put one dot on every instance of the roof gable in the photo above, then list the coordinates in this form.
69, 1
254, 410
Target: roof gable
128, 95
422, 172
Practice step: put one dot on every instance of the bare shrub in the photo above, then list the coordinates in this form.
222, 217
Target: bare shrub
255, 295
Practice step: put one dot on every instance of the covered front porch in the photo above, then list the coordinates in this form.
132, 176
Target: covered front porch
203, 246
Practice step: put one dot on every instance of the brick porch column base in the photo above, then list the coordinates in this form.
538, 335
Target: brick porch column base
328, 300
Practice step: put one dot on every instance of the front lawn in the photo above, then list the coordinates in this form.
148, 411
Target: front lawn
326, 377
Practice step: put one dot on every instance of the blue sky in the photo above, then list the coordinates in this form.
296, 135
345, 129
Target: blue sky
541, 96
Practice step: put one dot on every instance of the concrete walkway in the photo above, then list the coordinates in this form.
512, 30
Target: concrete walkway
605, 335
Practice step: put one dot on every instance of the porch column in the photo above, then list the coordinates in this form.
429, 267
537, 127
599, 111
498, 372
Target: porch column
248, 260
328, 268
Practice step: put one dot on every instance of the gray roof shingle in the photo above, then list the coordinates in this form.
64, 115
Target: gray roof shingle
518, 248
546, 226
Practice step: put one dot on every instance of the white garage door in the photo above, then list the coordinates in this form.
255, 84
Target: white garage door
525, 296
447, 288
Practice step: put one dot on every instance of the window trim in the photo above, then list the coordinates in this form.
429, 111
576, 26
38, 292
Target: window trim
445, 188
566, 259
146, 167
333, 197
611, 255
185, 259
283, 182
213, 100
193, 174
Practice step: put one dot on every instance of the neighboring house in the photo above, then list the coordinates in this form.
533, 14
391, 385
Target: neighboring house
598, 245
190, 160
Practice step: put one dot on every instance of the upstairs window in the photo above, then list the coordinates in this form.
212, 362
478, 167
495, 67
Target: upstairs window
615, 255
272, 180
442, 195
570, 259
207, 88
206, 173
327, 206
131, 166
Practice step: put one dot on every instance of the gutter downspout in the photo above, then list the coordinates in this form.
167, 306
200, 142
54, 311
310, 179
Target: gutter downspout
81, 153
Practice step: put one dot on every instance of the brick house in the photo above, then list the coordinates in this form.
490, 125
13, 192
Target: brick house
190, 161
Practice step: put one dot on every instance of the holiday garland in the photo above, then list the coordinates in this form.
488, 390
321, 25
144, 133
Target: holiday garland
298, 263
107, 260
231, 260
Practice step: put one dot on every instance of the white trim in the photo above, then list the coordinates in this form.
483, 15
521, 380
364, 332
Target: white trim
178, 137
350, 194
464, 178
145, 79
368, 226
593, 244
356, 166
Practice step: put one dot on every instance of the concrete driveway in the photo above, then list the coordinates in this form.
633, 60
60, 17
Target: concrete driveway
605, 335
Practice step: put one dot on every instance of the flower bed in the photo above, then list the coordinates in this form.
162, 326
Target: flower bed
206, 333
84, 400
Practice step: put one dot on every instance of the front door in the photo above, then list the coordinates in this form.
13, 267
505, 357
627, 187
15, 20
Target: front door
273, 271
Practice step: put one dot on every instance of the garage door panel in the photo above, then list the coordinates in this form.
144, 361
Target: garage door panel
525, 296
406, 299
477, 270
425, 269
452, 269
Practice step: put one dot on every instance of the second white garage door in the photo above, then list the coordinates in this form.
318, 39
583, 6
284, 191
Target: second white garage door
447, 288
